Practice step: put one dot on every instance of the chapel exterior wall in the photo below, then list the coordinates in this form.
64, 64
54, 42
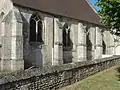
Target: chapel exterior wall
109, 41
116, 45
70, 52
86, 41
5, 7
32, 51
11, 43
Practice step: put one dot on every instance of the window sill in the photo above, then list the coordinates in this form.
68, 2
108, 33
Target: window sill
67, 48
36, 43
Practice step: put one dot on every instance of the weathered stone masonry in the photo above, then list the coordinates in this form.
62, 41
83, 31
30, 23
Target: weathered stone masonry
56, 48
82, 40
11, 43
86, 41
52, 78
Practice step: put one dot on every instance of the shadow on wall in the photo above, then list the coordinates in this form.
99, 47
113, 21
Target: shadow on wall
32, 54
27, 63
104, 48
89, 48
67, 45
36, 55
67, 54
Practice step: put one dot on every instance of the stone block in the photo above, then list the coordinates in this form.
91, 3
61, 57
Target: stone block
19, 47
98, 53
17, 29
58, 55
17, 64
5, 65
8, 29
48, 52
6, 48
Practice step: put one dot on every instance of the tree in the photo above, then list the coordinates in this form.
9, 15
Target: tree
110, 14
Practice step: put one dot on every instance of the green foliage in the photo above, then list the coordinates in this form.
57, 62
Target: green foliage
110, 14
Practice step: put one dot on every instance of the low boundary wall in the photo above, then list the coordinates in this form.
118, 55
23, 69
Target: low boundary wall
52, 78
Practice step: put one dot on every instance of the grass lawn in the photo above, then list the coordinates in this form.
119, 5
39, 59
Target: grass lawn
107, 80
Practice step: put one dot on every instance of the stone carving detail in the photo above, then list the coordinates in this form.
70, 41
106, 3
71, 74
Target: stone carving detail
59, 24
59, 43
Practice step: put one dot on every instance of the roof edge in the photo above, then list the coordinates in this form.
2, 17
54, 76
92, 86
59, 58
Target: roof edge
93, 8
60, 15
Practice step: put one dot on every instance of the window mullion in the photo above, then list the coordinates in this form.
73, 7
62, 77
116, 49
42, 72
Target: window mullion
36, 30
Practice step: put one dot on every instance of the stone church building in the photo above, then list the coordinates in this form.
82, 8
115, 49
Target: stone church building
39, 33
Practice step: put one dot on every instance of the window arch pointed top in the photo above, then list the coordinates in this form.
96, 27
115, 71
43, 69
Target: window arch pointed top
67, 42
36, 28
36, 16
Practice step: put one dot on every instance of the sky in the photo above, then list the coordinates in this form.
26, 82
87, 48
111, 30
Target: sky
93, 3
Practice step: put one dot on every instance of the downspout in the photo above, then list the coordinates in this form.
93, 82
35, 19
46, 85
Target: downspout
95, 45
95, 38
53, 42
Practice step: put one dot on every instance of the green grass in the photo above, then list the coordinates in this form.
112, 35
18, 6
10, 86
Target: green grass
106, 80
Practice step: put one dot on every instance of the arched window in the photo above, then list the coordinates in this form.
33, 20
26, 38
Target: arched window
66, 35
104, 47
35, 28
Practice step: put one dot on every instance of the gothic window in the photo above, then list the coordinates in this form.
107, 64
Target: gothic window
104, 47
35, 28
66, 35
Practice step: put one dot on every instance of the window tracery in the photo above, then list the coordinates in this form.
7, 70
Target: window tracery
35, 28
66, 35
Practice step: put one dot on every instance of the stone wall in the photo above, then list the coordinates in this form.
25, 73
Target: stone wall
36, 54
52, 51
117, 45
20, 52
11, 43
5, 7
108, 38
55, 77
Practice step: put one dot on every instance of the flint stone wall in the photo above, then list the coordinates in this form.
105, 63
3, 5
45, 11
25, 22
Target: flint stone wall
55, 77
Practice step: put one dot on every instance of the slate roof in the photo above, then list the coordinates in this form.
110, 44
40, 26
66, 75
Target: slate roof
77, 9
